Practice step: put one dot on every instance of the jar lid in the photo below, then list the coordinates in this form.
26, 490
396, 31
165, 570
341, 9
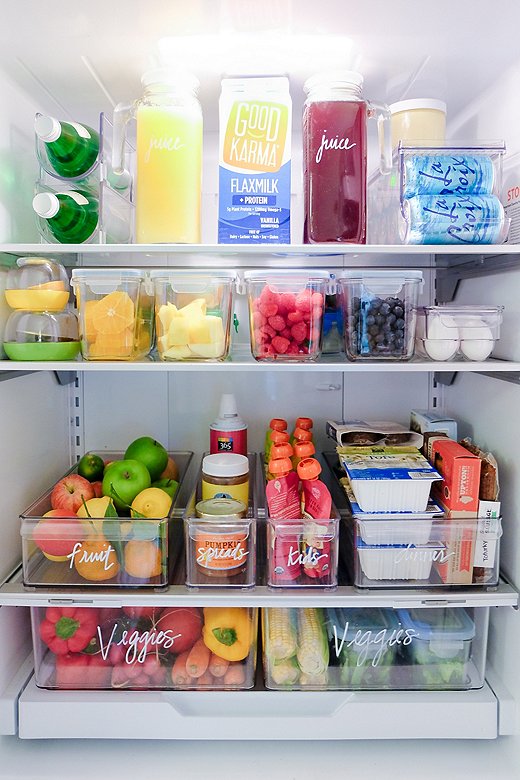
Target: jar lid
220, 507
225, 464
418, 103
308, 468
92, 274
334, 79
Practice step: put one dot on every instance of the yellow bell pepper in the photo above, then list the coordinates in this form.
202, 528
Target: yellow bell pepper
228, 632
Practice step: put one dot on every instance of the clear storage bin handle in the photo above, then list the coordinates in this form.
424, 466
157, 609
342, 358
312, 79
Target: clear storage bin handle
122, 113
381, 112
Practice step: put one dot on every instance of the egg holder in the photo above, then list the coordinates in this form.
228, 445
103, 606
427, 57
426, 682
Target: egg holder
461, 332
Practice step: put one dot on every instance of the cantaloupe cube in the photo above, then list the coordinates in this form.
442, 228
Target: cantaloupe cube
206, 331
177, 353
178, 332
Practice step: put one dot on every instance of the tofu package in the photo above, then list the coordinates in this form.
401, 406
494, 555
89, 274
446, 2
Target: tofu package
366, 433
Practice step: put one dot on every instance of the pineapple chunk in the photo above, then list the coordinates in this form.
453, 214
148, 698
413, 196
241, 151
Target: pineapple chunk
177, 353
162, 343
165, 315
178, 332
194, 310
213, 350
207, 330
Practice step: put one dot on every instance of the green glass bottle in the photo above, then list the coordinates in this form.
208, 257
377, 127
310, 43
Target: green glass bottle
72, 149
70, 216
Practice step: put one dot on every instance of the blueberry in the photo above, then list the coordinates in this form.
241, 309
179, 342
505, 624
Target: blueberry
398, 311
400, 324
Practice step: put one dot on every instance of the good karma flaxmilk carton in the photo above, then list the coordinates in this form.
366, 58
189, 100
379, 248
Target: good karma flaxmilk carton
255, 161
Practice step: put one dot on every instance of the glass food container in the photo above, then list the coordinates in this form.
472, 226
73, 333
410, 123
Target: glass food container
37, 283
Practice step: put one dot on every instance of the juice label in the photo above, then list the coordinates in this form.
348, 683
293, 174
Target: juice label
255, 162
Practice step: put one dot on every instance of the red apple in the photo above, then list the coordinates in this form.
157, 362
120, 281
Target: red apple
56, 537
69, 493
98, 488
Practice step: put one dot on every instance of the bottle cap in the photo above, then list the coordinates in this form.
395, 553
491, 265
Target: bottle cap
277, 424
300, 434
303, 422
228, 406
47, 128
279, 437
281, 451
46, 204
304, 449
308, 468
280, 466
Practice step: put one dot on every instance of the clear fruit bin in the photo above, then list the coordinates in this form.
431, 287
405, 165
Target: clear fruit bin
61, 548
193, 313
220, 535
450, 332
371, 648
379, 313
116, 313
435, 552
145, 648
286, 314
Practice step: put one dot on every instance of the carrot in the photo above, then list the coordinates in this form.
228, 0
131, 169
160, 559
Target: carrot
235, 674
218, 666
198, 659
205, 680
179, 674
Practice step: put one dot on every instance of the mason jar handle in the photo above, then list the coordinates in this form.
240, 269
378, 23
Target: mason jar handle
122, 113
381, 112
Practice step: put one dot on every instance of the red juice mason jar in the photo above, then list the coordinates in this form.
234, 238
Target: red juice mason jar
335, 156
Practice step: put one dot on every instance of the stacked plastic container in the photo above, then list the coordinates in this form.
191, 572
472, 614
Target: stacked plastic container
78, 199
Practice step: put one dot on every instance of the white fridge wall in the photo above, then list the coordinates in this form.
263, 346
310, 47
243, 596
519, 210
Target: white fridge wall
66, 58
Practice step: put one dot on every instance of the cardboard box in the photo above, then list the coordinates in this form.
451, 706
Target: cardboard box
426, 420
459, 490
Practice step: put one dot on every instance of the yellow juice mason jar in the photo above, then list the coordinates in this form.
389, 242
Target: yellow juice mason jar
169, 157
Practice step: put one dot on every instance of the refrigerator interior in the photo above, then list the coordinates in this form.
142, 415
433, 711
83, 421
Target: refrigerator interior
73, 62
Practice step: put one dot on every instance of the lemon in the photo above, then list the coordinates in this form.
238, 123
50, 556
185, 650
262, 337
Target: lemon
152, 502
95, 508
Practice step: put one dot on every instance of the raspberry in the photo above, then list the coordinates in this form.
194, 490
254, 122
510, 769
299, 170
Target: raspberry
269, 296
299, 332
266, 350
268, 309
293, 349
286, 333
258, 319
295, 316
280, 344
277, 322
266, 330
304, 301
287, 300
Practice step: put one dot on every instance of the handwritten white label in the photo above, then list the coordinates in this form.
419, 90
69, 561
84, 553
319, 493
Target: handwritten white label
163, 143
333, 143
92, 557
367, 640
310, 557
138, 643
207, 554
412, 553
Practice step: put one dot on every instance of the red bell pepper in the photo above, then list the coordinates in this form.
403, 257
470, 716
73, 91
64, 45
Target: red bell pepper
68, 629
80, 670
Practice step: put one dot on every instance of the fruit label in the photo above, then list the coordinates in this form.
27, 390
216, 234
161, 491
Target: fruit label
102, 556
255, 161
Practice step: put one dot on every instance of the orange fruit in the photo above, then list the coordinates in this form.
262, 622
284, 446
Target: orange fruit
115, 345
113, 313
57, 285
142, 559
96, 560
90, 331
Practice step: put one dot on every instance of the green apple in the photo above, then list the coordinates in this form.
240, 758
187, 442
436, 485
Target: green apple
124, 479
149, 452
170, 486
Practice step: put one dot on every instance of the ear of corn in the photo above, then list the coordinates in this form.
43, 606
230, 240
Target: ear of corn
313, 647
285, 672
317, 681
280, 634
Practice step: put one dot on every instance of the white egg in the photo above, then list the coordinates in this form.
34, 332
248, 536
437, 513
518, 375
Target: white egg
441, 327
441, 349
477, 349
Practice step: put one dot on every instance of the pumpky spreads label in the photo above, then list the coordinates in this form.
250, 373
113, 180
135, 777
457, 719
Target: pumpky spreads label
255, 164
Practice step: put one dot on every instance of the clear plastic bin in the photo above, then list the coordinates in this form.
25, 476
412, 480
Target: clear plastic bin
116, 313
423, 552
193, 313
64, 550
447, 332
441, 648
145, 648
221, 550
303, 554
286, 314
379, 313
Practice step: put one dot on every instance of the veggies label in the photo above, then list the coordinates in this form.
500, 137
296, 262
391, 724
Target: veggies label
138, 643
372, 643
